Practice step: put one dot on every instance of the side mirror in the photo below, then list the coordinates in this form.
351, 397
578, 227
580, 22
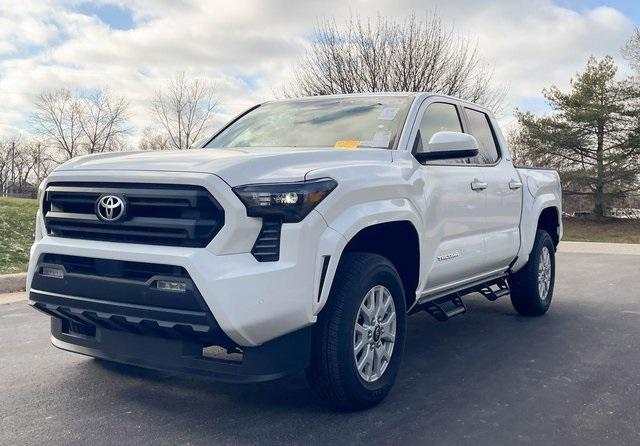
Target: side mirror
449, 145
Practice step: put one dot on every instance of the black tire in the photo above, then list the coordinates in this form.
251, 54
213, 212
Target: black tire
333, 373
525, 294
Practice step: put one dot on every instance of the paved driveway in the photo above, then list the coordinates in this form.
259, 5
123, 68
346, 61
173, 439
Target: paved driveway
488, 377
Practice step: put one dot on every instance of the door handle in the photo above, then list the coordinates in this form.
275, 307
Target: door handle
515, 184
478, 185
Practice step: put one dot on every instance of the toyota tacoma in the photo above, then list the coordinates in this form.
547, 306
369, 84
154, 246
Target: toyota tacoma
297, 238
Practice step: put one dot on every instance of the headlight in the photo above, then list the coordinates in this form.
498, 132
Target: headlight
290, 201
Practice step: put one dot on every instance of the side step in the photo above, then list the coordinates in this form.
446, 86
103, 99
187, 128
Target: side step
496, 290
446, 307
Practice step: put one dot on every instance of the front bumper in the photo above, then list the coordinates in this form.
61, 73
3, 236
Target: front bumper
113, 310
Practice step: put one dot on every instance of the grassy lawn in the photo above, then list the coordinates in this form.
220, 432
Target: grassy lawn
16, 233
591, 229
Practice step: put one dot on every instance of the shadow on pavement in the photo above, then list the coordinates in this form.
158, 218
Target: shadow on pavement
441, 362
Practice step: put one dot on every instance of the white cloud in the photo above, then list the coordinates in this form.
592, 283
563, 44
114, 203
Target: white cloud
247, 47
24, 23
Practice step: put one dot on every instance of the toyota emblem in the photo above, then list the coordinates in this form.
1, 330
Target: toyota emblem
110, 208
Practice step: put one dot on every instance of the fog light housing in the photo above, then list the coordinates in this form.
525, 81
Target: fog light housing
171, 285
55, 272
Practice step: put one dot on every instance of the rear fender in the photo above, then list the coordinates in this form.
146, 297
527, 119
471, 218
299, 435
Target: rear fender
529, 224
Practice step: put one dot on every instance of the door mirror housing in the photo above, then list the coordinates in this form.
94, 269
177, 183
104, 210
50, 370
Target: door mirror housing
449, 145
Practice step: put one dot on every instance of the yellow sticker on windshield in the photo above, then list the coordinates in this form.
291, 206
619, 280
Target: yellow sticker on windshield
347, 144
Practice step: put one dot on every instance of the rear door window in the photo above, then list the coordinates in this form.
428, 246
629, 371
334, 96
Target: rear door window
480, 128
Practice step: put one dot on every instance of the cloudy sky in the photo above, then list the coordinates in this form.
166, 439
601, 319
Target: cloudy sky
247, 47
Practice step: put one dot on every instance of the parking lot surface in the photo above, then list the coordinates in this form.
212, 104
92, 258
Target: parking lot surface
488, 377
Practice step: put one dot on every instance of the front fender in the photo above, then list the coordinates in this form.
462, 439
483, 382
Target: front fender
344, 226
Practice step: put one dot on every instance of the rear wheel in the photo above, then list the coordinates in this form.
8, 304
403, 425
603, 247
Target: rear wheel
359, 338
532, 286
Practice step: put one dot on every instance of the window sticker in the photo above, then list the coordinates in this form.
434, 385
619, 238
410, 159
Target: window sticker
380, 140
388, 113
347, 144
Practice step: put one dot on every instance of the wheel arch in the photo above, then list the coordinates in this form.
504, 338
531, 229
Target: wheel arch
397, 240
549, 220
542, 214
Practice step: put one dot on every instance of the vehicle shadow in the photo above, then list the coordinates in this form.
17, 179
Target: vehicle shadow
439, 357
475, 373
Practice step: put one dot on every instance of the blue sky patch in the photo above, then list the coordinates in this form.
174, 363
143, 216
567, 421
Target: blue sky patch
114, 16
535, 104
250, 80
630, 8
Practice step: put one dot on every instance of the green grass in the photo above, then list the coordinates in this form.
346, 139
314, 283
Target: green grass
593, 229
17, 217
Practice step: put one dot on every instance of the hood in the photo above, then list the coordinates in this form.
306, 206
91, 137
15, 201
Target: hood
235, 166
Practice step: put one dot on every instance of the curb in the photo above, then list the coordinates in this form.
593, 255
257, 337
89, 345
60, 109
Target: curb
600, 248
11, 283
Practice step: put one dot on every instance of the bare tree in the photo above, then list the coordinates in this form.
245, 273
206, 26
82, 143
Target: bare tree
103, 120
6, 159
521, 152
57, 119
184, 110
38, 156
153, 140
631, 49
24, 163
390, 55
23, 167
11, 163
75, 125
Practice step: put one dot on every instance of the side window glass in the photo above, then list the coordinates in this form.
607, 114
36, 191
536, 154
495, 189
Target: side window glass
437, 117
480, 128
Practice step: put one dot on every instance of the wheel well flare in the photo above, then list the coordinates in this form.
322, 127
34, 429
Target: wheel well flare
549, 221
397, 241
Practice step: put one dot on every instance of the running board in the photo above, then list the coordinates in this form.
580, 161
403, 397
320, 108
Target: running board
493, 291
444, 308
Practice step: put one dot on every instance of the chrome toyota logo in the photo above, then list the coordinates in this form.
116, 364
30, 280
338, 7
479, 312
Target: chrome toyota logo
110, 208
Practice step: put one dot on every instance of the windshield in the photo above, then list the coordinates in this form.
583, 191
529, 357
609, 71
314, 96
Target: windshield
346, 123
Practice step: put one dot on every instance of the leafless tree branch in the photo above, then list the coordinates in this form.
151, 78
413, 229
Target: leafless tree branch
385, 54
184, 110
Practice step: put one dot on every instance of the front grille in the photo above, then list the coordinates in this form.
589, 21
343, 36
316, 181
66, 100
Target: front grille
138, 271
157, 214
83, 274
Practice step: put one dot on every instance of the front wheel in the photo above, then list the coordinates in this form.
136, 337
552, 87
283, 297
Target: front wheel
359, 337
532, 286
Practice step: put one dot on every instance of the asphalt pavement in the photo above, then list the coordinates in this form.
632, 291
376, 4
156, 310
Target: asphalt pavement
489, 377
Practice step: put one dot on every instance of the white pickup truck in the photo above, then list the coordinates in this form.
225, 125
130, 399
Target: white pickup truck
298, 237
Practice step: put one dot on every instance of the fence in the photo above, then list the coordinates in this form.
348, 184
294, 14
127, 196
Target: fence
623, 213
